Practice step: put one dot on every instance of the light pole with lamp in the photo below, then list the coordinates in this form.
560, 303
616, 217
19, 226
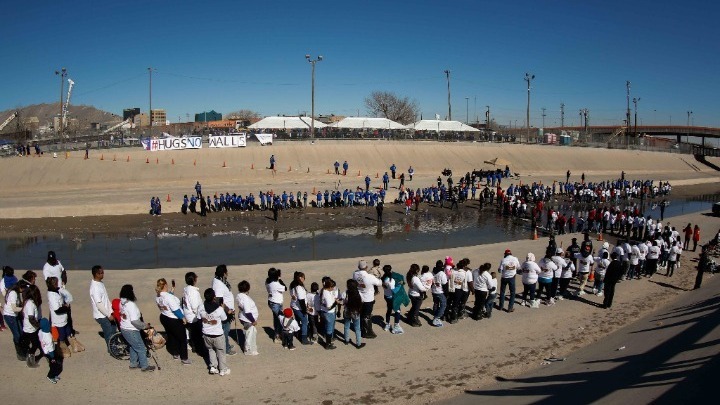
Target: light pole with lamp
447, 74
312, 97
528, 79
63, 74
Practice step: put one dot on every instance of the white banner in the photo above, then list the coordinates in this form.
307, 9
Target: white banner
265, 139
227, 141
172, 143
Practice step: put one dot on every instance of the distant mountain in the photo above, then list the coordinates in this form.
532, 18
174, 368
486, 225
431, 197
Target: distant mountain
44, 113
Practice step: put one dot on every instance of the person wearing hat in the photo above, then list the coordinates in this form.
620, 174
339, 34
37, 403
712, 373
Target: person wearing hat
47, 344
508, 269
367, 284
289, 327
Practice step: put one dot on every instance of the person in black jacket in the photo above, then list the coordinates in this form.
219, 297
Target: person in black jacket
612, 276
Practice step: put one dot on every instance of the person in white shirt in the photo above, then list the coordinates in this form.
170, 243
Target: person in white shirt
634, 262
367, 284
416, 288
566, 275
584, 264
481, 279
53, 268
530, 271
275, 290
652, 258
10, 311
673, 256
131, 324
248, 314
462, 277
313, 306
298, 303
32, 300
48, 349
58, 312
329, 301
222, 291
100, 304
601, 265
213, 313
191, 303
508, 268
547, 273
439, 285
289, 327
173, 320
352, 305
492, 288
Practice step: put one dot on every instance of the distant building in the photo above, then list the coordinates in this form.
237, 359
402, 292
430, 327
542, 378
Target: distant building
329, 119
227, 124
208, 116
158, 117
129, 113
142, 120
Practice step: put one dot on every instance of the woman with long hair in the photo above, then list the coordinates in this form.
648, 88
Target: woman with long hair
13, 306
416, 289
275, 289
328, 305
131, 323
353, 307
298, 303
32, 300
173, 320
58, 313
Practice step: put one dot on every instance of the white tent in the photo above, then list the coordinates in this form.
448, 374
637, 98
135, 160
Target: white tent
367, 122
286, 123
441, 126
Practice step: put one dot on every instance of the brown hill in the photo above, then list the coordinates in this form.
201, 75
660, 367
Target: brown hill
85, 114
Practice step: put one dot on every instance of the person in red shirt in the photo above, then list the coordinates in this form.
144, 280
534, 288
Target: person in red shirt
696, 237
688, 234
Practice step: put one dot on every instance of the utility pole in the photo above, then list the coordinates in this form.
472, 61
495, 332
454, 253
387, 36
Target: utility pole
543, 116
487, 117
447, 74
687, 136
627, 130
312, 107
635, 101
528, 79
562, 115
581, 118
477, 119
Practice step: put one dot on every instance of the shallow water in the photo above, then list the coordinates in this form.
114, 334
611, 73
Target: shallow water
420, 232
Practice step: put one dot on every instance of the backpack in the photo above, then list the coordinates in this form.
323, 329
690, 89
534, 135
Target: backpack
116, 310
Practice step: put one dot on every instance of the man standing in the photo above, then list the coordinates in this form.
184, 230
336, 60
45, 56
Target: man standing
393, 168
379, 209
508, 269
272, 162
337, 167
100, 304
386, 181
367, 183
612, 276
198, 190
366, 284
221, 287
345, 168
567, 177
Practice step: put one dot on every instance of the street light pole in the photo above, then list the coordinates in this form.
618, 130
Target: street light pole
487, 117
467, 112
150, 69
627, 117
635, 101
312, 97
562, 115
687, 136
63, 74
447, 74
528, 78
543, 116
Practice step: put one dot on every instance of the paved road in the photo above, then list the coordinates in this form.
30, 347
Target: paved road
670, 357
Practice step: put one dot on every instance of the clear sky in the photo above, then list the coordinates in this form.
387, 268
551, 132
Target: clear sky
231, 55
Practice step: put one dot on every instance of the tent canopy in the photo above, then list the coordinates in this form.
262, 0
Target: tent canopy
367, 122
286, 123
439, 125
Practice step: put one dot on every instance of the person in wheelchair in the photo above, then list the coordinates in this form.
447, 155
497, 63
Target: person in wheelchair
131, 326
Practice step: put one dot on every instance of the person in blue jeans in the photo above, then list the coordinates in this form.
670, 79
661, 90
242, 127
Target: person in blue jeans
508, 269
130, 325
329, 300
492, 294
353, 306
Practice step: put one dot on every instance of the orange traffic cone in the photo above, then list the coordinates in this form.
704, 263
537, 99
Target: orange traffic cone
252, 166
102, 156
314, 191
168, 199
377, 175
147, 160
114, 158
157, 161
224, 164
358, 173
535, 237
591, 277
128, 159
289, 168
328, 171
194, 162
173, 161
308, 170
66, 155
600, 238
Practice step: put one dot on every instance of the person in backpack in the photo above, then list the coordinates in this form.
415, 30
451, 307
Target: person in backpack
289, 327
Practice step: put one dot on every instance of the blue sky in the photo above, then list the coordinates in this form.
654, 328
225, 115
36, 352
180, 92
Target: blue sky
231, 55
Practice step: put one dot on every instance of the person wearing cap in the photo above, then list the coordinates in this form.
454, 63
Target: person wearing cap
100, 304
47, 345
289, 327
212, 314
366, 286
508, 269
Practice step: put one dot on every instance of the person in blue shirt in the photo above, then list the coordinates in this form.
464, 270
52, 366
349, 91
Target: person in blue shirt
411, 171
305, 199
184, 206
209, 204
284, 200
198, 190
337, 167
392, 170
386, 181
251, 202
327, 198
367, 183
291, 200
158, 206
351, 199
319, 199
382, 195
152, 205
217, 203
262, 201
193, 202
345, 168
272, 162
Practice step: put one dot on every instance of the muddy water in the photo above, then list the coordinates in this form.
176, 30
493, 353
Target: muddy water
417, 232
